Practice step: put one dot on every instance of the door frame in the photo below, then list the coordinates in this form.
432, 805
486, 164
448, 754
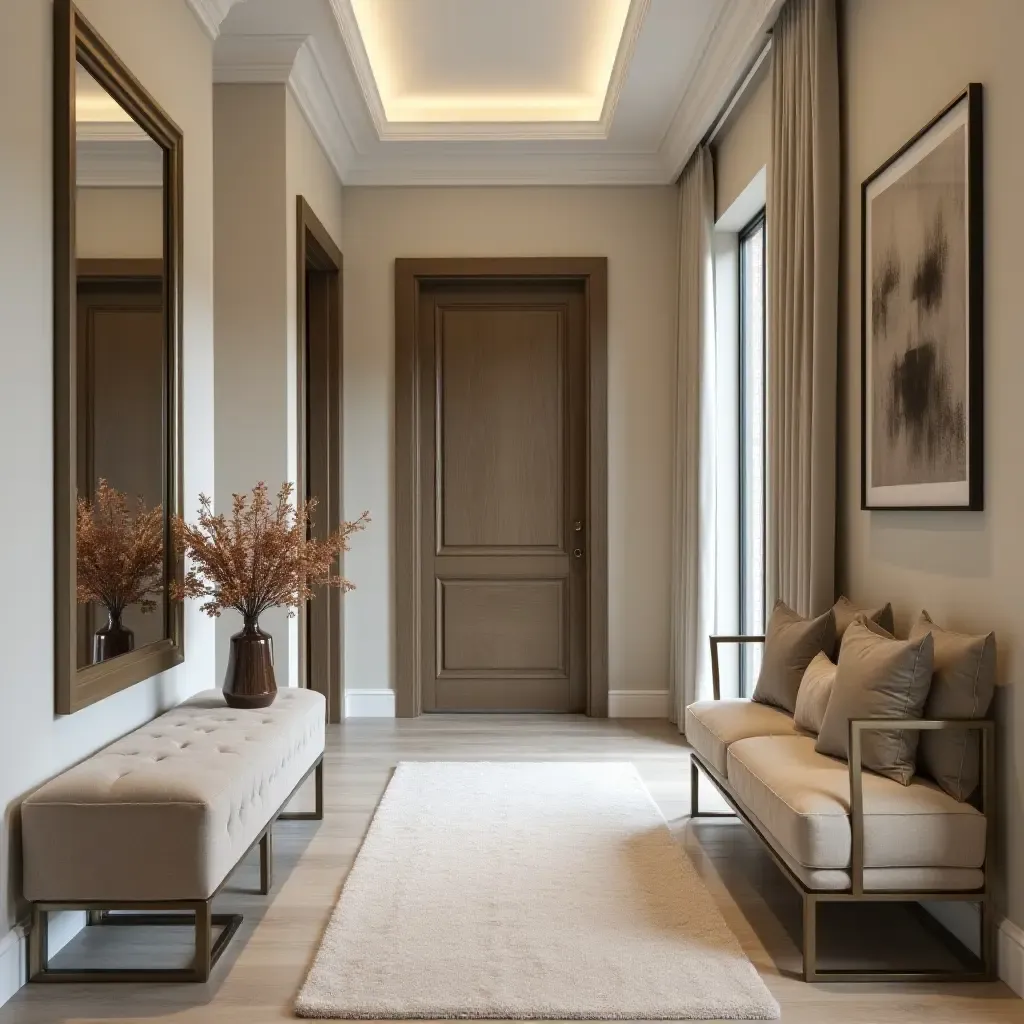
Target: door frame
324, 621
411, 276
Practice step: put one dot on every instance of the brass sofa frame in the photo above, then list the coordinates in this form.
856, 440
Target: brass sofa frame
168, 912
856, 893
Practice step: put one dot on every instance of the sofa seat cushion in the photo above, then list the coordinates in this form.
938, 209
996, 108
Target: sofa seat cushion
803, 800
712, 725
167, 811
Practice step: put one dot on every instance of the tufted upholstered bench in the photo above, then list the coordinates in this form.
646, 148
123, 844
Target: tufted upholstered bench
158, 820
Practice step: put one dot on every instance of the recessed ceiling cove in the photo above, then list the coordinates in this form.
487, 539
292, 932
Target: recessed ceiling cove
496, 92
491, 61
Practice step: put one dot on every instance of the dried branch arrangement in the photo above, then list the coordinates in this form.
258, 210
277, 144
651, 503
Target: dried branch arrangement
120, 553
259, 557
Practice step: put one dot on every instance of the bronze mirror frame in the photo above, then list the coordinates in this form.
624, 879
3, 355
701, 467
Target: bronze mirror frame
77, 42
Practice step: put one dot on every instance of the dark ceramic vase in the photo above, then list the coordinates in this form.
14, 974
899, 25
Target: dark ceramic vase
112, 640
249, 681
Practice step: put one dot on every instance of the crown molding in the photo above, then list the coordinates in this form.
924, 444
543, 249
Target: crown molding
631, 29
444, 167
256, 58
127, 163
490, 131
736, 37
211, 13
311, 88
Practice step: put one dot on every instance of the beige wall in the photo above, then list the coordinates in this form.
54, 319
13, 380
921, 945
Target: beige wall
251, 312
903, 62
119, 223
635, 228
741, 148
264, 156
168, 51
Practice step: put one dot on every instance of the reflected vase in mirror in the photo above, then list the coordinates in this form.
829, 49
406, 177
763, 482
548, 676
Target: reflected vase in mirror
249, 681
112, 640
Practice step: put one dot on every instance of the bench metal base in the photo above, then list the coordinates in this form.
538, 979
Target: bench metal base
163, 913
811, 898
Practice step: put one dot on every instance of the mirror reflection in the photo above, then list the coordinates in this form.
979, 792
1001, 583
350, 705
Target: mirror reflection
120, 342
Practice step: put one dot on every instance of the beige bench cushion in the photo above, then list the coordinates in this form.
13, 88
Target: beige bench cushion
803, 800
166, 812
711, 725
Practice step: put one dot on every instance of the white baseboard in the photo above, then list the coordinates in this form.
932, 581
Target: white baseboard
962, 920
64, 926
1011, 956
370, 703
638, 703
13, 962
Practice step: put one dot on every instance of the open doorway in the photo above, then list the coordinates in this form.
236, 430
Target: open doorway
319, 294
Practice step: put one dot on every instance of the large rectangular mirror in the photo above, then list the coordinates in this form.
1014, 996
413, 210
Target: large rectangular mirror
117, 310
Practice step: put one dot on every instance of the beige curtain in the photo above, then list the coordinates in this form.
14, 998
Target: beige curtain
693, 498
803, 286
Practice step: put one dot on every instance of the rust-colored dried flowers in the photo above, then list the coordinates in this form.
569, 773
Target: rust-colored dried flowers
259, 557
120, 552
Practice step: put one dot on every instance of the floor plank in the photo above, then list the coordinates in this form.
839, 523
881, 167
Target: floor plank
260, 974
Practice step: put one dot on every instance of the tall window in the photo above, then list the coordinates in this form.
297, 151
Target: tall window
751, 445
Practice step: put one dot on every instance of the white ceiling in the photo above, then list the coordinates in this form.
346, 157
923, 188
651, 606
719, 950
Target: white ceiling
491, 60
496, 91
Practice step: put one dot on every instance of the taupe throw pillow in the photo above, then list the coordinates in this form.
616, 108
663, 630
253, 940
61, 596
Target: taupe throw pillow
815, 690
963, 680
878, 676
846, 611
791, 642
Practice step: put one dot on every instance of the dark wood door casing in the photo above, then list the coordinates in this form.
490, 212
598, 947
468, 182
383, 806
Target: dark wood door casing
443, 555
319, 291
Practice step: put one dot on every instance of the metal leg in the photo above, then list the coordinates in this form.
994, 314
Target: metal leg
38, 945
810, 945
94, 917
318, 787
267, 861
203, 962
989, 934
695, 811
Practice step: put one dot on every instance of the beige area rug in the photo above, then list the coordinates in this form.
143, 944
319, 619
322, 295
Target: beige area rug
526, 891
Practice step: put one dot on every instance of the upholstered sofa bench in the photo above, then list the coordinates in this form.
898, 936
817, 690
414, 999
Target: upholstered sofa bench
158, 820
840, 832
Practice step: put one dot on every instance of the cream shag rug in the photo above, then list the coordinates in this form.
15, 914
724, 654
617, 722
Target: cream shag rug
525, 891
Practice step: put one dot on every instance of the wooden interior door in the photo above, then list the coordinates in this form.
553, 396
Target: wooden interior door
503, 471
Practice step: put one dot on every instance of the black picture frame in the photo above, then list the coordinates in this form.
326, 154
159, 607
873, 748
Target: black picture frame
960, 495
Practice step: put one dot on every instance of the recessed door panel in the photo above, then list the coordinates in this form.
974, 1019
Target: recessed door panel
501, 627
501, 418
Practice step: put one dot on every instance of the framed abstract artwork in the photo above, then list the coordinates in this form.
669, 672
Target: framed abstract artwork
922, 293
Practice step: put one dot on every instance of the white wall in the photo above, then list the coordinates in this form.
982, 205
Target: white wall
635, 228
903, 62
119, 223
165, 47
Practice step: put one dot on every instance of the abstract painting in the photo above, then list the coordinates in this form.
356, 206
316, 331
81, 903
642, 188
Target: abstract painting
921, 318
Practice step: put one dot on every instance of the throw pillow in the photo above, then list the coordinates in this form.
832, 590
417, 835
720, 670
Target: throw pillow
815, 690
963, 681
878, 676
790, 643
846, 611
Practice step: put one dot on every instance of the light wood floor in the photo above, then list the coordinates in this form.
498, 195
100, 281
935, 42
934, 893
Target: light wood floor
258, 978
